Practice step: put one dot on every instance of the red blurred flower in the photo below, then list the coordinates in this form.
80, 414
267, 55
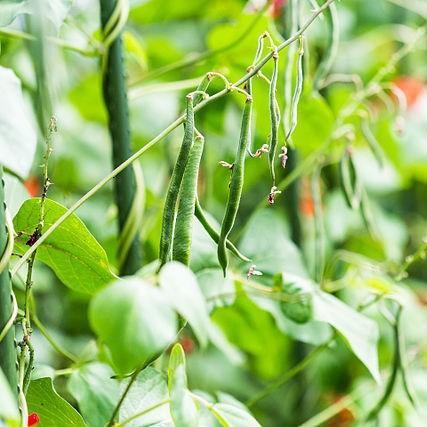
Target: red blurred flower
411, 87
32, 184
33, 419
306, 203
344, 418
187, 344
276, 8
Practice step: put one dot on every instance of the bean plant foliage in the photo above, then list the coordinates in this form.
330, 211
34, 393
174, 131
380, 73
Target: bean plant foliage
212, 213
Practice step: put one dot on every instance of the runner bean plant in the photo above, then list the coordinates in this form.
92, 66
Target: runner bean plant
131, 169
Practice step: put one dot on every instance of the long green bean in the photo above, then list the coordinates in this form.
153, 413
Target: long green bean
236, 184
169, 211
187, 201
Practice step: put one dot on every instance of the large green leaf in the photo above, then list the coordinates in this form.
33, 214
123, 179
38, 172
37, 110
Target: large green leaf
56, 11
134, 319
253, 330
15, 193
51, 408
18, 137
182, 407
95, 391
233, 416
360, 332
8, 407
70, 251
267, 243
149, 390
297, 305
180, 286
312, 332
315, 123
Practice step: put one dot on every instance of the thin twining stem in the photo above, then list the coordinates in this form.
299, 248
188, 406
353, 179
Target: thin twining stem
58, 347
193, 59
16, 34
252, 72
123, 396
288, 375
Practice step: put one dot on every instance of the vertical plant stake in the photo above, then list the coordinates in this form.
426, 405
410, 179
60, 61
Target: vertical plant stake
7, 302
113, 18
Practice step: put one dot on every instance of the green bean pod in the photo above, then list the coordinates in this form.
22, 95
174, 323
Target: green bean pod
368, 217
349, 181
328, 59
372, 142
187, 201
169, 211
298, 90
274, 116
236, 184
214, 234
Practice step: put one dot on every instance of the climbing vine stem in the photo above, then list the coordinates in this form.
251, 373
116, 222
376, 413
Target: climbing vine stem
24, 367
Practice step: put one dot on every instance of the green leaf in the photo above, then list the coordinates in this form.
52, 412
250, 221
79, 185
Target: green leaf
233, 416
360, 332
134, 319
299, 308
182, 407
312, 332
95, 391
56, 11
183, 292
253, 330
9, 10
267, 243
18, 137
149, 390
52, 409
70, 251
315, 123
15, 193
8, 407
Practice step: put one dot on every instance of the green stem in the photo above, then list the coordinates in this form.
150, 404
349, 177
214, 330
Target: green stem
319, 232
7, 344
51, 341
21, 35
115, 99
193, 59
123, 397
180, 120
287, 375
332, 410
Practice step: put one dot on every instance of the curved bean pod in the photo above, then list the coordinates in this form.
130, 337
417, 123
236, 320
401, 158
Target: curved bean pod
274, 115
331, 49
169, 211
298, 90
236, 184
349, 181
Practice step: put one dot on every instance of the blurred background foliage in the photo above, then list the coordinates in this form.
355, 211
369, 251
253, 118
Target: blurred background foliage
160, 33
